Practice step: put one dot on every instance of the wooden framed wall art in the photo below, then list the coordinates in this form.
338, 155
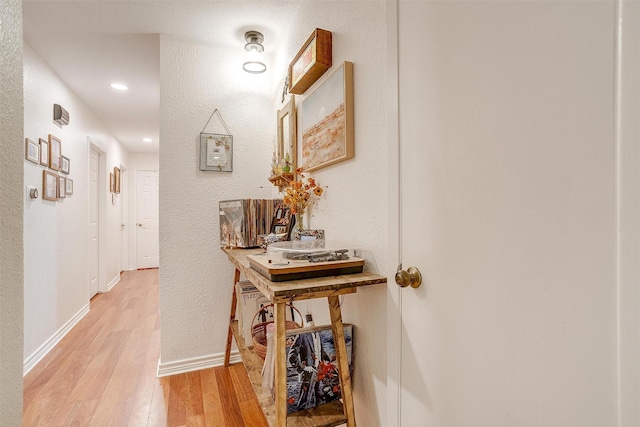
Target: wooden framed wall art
69, 188
49, 186
55, 153
62, 187
287, 135
116, 177
32, 151
44, 152
311, 62
327, 121
66, 164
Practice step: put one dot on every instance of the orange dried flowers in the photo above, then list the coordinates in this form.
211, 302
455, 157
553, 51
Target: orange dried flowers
299, 193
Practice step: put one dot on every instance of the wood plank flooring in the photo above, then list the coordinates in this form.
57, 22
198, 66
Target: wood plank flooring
103, 373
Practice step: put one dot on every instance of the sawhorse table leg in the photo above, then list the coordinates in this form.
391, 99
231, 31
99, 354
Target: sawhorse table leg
232, 317
280, 364
341, 355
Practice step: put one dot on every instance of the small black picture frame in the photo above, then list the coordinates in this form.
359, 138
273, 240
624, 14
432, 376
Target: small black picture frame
282, 219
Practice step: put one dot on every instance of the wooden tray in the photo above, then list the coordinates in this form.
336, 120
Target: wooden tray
280, 270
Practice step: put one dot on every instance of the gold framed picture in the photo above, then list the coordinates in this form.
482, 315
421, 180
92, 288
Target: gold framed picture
55, 153
327, 121
116, 177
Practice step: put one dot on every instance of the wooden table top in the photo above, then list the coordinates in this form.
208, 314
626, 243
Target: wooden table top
295, 290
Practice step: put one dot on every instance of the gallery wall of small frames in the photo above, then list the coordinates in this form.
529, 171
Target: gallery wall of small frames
56, 181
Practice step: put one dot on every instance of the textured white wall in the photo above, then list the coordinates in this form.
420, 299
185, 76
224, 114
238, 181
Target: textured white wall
354, 207
195, 276
56, 233
11, 196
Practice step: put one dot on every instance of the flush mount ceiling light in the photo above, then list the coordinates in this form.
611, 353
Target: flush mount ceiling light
119, 86
254, 63
146, 139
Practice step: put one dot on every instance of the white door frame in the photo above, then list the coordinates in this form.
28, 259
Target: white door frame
627, 98
124, 206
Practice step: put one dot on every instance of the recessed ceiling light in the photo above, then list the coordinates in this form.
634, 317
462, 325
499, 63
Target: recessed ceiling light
119, 86
147, 139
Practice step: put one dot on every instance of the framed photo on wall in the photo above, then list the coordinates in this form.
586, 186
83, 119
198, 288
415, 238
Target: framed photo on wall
44, 152
287, 135
116, 177
49, 186
62, 187
69, 188
327, 121
66, 165
32, 151
55, 153
216, 152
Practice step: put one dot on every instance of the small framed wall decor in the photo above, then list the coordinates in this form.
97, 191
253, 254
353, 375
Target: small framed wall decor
62, 187
66, 164
44, 152
69, 187
55, 153
32, 151
287, 136
216, 152
49, 186
313, 59
116, 177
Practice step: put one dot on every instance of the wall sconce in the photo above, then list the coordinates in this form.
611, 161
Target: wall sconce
254, 63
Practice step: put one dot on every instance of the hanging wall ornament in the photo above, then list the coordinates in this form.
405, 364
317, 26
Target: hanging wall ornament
216, 149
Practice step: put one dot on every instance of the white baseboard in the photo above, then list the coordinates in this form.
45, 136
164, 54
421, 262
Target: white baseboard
113, 282
45, 348
195, 364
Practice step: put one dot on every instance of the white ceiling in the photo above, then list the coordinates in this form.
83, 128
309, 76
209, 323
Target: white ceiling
91, 44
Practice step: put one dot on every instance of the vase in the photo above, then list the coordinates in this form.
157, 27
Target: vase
299, 219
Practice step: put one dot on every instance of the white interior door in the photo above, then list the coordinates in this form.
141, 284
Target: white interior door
507, 183
147, 231
94, 219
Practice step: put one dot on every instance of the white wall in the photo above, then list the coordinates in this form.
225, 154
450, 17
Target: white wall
354, 206
195, 276
11, 195
56, 233
136, 162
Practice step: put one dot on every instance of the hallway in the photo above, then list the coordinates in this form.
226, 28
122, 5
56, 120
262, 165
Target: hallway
103, 372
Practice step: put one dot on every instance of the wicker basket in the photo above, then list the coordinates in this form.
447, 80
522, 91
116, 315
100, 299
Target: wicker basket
259, 331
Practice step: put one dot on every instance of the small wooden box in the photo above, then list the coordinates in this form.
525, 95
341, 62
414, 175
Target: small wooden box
313, 59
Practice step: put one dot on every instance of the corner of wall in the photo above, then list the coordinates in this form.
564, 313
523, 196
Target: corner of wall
11, 222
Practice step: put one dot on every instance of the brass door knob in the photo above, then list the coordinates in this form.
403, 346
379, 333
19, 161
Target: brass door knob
410, 277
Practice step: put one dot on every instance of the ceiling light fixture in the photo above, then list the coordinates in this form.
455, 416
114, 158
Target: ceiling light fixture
119, 86
147, 139
254, 63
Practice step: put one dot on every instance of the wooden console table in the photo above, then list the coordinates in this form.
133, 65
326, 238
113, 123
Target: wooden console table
280, 293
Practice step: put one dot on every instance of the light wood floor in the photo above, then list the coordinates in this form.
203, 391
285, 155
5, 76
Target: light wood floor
103, 373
